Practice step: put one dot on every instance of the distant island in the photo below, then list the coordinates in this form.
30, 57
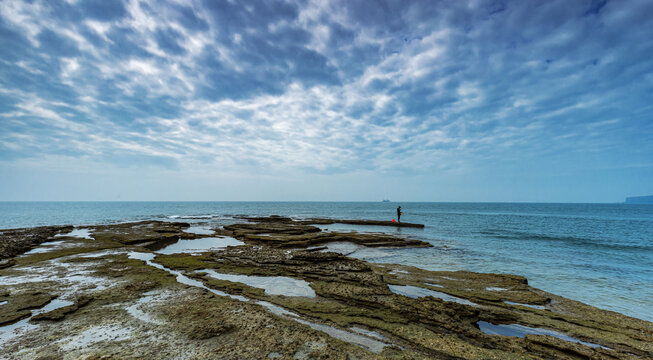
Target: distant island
640, 199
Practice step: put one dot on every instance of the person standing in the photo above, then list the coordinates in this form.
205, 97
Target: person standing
398, 213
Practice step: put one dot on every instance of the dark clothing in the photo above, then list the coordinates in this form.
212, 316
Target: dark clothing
399, 213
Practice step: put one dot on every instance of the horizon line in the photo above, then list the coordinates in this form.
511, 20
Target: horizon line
308, 201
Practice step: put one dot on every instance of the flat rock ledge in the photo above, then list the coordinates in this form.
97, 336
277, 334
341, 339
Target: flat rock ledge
324, 221
328, 221
112, 296
17, 241
278, 231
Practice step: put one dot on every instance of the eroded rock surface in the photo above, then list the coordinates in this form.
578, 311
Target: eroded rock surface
18, 304
353, 292
17, 241
125, 301
277, 231
324, 221
151, 234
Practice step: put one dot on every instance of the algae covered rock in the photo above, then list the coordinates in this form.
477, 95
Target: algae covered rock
149, 305
287, 233
17, 241
5, 263
152, 235
19, 305
324, 221
61, 312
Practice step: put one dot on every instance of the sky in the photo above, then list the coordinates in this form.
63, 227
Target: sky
525, 100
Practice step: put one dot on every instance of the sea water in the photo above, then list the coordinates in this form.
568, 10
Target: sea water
600, 254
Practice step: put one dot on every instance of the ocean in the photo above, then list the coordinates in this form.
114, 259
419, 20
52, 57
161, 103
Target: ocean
600, 254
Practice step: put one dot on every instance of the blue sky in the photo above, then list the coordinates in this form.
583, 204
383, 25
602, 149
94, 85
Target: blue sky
544, 101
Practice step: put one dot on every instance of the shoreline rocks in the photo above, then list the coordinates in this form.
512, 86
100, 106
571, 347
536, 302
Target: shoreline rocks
277, 231
149, 305
14, 242
325, 221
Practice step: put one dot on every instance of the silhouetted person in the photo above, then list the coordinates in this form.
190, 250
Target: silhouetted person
398, 213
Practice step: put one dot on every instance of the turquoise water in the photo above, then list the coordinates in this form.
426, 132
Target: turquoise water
600, 254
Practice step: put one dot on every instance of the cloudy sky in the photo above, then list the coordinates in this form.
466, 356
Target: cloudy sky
317, 100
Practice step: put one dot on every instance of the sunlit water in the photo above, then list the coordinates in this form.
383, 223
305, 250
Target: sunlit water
600, 254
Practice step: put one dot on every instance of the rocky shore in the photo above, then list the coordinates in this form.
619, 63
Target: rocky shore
270, 288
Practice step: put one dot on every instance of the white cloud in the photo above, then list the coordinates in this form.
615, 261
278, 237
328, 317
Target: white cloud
69, 66
432, 94
100, 28
21, 14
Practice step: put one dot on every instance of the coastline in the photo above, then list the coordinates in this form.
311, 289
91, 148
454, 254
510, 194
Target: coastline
596, 254
368, 310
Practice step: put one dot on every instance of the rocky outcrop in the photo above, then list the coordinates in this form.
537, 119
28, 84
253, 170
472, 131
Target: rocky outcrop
160, 306
441, 325
60, 313
325, 221
4, 263
19, 305
18, 241
152, 235
276, 231
266, 227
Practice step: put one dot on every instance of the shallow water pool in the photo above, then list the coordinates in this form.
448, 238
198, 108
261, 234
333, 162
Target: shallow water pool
521, 331
200, 230
540, 307
16, 329
273, 285
418, 292
354, 250
79, 233
199, 245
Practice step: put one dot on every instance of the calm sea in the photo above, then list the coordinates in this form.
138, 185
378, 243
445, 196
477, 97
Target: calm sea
600, 254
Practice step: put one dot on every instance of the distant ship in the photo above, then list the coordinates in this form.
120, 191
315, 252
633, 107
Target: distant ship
385, 200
